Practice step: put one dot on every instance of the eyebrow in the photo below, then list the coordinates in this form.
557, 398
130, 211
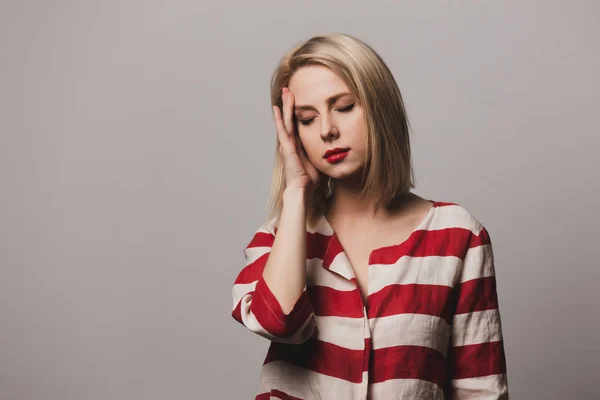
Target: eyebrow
330, 100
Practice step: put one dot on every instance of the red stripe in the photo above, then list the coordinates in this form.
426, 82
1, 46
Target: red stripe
480, 239
269, 315
334, 247
278, 394
367, 357
252, 272
477, 295
477, 360
445, 203
408, 362
261, 239
327, 301
433, 300
316, 245
322, 357
423, 243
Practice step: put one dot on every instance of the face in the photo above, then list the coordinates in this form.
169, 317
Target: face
328, 117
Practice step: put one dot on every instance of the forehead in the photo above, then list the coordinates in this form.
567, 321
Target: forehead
314, 83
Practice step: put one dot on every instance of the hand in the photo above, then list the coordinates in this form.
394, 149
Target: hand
299, 171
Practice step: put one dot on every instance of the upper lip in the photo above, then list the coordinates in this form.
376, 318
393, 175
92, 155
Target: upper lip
334, 151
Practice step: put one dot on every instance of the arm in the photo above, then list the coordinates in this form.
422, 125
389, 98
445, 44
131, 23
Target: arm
477, 363
269, 294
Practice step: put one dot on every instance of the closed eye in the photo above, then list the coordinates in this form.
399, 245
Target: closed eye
305, 122
347, 108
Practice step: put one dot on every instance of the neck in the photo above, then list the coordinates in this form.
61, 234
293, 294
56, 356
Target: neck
347, 202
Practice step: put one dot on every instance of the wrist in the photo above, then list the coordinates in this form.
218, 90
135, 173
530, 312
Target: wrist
293, 194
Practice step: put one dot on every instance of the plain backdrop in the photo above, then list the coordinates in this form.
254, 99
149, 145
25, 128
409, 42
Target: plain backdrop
136, 150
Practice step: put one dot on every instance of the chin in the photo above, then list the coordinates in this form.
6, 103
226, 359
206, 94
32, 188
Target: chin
340, 172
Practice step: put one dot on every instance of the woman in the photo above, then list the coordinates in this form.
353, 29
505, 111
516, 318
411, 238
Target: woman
365, 289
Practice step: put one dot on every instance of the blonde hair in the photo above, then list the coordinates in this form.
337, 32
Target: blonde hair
388, 168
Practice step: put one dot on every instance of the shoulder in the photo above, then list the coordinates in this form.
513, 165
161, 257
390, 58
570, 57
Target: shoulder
454, 215
468, 238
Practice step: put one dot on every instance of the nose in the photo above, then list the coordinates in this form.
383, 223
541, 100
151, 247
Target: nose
328, 129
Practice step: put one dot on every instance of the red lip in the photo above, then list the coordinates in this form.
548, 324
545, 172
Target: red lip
337, 157
334, 151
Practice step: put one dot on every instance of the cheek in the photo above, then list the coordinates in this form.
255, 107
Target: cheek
356, 122
308, 143
354, 130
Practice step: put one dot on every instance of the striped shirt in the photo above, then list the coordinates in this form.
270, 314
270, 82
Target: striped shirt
430, 328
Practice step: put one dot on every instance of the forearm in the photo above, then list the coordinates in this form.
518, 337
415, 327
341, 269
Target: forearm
285, 270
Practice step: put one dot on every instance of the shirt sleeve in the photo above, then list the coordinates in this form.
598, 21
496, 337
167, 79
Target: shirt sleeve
257, 308
477, 362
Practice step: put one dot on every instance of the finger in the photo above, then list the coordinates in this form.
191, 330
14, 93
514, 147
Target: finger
283, 107
289, 112
285, 141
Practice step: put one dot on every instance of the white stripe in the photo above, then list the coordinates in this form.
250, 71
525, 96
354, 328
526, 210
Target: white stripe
341, 331
240, 290
405, 389
254, 253
478, 263
454, 216
341, 265
367, 329
304, 383
491, 387
365, 386
317, 275
411, 330
430, 270
476, 327
267, 227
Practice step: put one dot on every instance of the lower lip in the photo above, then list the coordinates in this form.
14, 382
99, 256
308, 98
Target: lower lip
337, 157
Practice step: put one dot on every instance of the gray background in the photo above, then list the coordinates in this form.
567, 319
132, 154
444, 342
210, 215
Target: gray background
136, 150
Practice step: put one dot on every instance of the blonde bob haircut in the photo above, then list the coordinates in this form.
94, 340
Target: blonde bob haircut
388, 170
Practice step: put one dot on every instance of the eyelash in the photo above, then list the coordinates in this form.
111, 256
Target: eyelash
305, 122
